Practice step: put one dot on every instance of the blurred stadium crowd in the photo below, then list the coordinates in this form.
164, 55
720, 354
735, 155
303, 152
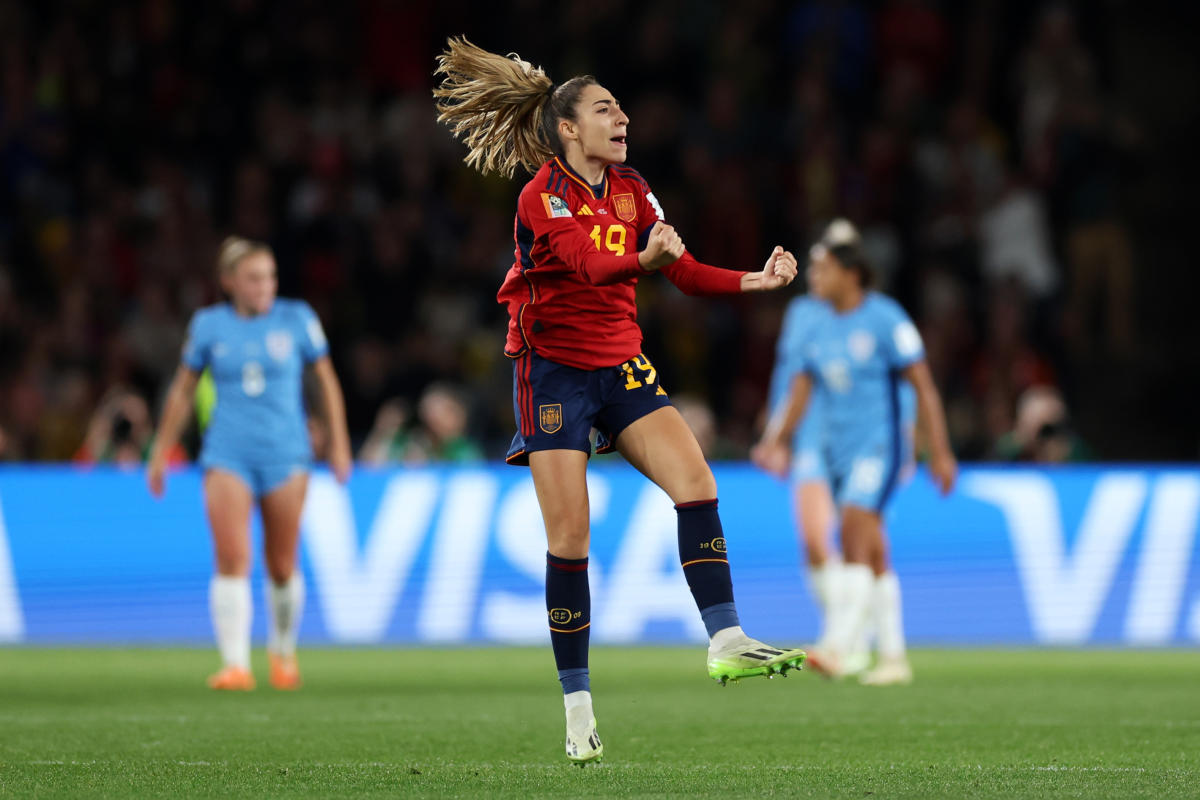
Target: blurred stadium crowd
978, 145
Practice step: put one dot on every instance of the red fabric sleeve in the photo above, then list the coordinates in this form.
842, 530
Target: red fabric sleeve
700, 280
566, 239
691, 276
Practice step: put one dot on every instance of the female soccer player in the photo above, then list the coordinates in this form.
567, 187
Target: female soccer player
587, 228
256, 448
812, 498
855, 357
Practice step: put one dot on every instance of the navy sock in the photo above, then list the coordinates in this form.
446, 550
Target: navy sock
569, 608
705, 563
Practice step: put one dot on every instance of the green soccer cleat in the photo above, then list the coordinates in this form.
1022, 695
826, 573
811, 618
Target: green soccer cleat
583, 743
747, 658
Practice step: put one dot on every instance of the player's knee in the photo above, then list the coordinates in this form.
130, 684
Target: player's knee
567, 532
697, 483
280, 569
235, 564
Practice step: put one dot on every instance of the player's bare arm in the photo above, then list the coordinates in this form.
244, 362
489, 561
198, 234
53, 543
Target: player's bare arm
175, 413
942, 463
773, 452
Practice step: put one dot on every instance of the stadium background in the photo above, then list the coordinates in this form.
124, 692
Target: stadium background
1021, 173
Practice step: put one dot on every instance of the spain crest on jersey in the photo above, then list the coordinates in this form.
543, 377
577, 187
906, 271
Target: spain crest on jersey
550, 417
624, 207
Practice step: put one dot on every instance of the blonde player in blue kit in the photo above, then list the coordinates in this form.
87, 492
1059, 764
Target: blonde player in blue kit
256, 449
855, 359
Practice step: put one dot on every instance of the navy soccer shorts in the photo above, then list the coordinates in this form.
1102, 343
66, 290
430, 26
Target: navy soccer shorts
557, 406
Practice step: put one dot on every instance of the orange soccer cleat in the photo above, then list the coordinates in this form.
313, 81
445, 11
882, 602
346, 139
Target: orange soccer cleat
285, 672
232, 679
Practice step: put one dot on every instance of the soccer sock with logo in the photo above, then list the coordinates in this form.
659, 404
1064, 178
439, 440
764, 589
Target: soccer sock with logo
569, 608
889, 621
706, 565
230, 606
286, 603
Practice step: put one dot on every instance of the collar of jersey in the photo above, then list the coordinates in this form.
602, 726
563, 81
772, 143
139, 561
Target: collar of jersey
587, 187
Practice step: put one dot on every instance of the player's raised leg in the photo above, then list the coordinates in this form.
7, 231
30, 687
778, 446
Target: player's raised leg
663, 448
228, 502
281, 509
559, 477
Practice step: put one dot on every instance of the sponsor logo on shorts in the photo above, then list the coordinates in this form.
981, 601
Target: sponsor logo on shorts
624, 207
550, 417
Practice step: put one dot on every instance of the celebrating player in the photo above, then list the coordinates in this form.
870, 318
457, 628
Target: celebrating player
587, 228
855, 357
256, 448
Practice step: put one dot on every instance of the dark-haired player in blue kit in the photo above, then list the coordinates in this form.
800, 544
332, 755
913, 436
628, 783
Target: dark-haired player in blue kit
587, 229
813, 505
809, 476
856, 358
256, 449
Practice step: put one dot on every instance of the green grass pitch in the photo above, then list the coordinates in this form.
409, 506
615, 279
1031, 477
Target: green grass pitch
488, 723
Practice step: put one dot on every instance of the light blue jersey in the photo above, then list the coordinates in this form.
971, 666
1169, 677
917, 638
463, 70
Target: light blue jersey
257, 365
856, 360
803, 317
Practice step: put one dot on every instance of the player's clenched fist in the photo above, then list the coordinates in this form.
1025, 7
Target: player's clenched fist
779, 270
663, 248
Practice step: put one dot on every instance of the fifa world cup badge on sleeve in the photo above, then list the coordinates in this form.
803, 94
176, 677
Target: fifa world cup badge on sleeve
624, 208
555, 206
550, 417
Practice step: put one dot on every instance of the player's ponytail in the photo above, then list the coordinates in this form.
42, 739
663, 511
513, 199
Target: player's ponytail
233, 249
504, 109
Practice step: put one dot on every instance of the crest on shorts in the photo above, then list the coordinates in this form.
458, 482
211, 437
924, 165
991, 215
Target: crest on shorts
624, 207
550, 417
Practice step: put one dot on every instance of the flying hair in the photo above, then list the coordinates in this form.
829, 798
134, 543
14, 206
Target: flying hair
495, 104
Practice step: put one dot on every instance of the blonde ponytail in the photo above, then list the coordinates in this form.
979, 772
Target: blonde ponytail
496, 105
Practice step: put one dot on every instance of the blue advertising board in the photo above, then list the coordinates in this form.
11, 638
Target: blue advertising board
410, 556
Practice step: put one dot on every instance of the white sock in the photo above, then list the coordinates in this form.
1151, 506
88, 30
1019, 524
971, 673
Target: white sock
850, 610
889, 619
825, 583
726, 635
577, 699
286, 604
230, 606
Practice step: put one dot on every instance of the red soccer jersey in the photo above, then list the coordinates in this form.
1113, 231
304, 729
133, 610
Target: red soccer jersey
570, 294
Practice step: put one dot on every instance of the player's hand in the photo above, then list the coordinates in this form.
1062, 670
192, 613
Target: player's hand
944, 470
780, 269
771, 457
663, 248
156, 477
341, 463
